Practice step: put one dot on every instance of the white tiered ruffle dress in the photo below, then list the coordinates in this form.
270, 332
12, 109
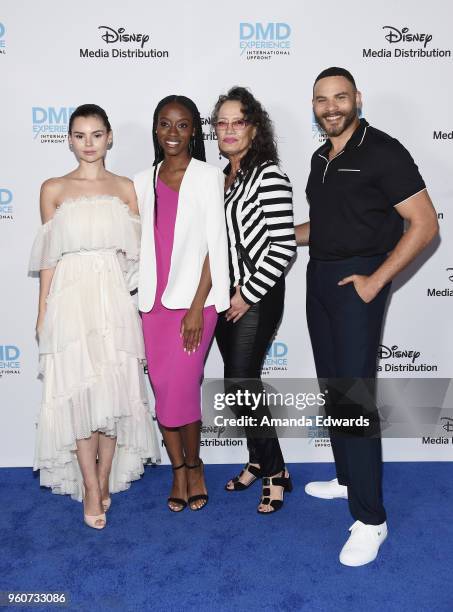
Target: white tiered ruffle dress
91, 349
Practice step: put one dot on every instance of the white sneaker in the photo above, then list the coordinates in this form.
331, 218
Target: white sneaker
363, 544
327, 490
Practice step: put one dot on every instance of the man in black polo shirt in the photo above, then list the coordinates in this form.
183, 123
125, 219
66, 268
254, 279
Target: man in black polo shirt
363, 184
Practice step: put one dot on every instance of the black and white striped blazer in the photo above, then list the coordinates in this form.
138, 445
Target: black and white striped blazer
261, 239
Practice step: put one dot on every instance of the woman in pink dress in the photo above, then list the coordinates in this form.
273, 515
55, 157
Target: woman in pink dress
183, 284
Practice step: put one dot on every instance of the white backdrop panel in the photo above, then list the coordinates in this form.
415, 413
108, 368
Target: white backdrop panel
198, 54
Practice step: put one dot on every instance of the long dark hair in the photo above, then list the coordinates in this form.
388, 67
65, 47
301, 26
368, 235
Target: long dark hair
90, 110
196, 144
264, 146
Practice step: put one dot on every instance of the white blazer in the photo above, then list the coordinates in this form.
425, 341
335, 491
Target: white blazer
200, 229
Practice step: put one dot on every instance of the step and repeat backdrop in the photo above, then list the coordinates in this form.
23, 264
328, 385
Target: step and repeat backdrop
126, 57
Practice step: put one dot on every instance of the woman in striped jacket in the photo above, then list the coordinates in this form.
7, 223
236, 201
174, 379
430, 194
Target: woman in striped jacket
259, 217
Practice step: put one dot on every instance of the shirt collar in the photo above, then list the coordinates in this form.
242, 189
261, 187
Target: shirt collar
355, 140
227, 168
239, 177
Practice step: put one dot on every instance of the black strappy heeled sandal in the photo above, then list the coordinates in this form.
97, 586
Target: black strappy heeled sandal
201, 496
240, 486
177, 500
276, 481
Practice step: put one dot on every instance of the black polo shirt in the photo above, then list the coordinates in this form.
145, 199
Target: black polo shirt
352, 196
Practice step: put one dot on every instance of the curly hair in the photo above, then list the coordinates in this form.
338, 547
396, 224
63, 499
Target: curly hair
264, 146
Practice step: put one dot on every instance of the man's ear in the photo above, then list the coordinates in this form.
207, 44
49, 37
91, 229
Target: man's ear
358, 99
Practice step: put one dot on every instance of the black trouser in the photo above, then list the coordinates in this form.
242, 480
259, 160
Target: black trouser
345, 334
243, 346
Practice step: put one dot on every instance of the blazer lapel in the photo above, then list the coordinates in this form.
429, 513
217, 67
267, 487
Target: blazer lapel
184, 198
148, 277
182, 222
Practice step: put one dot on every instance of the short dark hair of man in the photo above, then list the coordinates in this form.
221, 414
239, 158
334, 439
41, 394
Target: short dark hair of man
335, 71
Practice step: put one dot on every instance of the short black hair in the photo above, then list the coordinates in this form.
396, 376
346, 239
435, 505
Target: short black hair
335, 71
90, 110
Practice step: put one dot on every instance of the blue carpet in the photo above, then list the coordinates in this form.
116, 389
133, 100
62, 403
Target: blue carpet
227, 557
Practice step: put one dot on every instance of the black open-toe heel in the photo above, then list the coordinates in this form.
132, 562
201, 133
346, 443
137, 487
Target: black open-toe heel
200, 497
276, 481
240, 486
177, 500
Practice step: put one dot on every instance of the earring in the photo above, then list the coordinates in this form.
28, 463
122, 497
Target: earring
220, 155
70, 147
110, 145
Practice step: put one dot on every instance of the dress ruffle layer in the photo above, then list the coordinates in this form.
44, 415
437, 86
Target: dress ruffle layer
91, 346
113, 403
72, 230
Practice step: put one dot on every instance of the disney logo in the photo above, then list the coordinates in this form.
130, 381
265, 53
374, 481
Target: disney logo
395, 36
219, 430
111, 35
385, 352
448, 425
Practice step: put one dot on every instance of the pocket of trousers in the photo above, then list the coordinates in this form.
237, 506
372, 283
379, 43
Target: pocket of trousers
357, 294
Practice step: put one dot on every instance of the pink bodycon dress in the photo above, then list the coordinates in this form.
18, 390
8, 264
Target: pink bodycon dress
174, 374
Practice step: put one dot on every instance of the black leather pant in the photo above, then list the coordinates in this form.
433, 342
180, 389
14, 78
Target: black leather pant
243, 346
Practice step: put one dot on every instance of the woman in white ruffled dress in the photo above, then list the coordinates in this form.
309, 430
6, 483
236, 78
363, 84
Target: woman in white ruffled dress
95, 430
